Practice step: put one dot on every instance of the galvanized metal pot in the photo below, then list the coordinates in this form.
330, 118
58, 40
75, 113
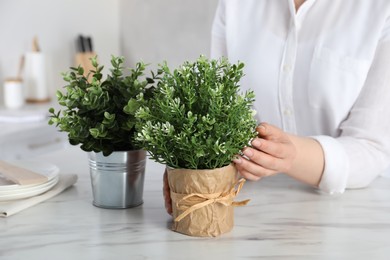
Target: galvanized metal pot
118, 179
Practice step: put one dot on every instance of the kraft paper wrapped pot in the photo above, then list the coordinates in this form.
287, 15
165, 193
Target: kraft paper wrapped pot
203, 200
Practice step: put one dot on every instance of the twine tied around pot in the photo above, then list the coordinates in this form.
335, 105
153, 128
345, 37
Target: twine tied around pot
195, 201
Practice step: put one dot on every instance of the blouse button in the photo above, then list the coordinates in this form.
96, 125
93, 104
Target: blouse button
287, 112
286, 68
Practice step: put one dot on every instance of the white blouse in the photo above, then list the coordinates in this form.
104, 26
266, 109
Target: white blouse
323, 71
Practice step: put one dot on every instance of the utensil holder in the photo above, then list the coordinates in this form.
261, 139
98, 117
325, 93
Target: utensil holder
35, 79
83, 59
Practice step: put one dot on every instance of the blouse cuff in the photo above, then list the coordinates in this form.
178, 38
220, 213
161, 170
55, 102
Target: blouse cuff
335, 175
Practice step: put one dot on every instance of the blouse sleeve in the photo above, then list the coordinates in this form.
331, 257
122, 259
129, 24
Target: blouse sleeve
218, 33
362, 151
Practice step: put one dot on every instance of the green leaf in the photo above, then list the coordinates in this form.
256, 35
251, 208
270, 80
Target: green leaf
94, 109
197, 117
131, 107
80, 70
94, 61
94, 132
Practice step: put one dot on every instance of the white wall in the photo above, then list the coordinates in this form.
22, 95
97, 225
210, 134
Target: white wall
148, 30
56, 23
171, 30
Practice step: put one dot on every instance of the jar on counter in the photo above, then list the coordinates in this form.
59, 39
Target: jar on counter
13, 93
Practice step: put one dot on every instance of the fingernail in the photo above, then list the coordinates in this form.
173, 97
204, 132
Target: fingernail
256, 143
261, 129
236, 159
248, 152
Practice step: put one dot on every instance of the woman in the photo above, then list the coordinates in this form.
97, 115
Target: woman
321, 74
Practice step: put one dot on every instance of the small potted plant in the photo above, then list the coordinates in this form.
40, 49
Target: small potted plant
196, 122
99, 116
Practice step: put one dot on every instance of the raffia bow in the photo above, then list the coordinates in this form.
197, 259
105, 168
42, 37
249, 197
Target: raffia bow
195, 201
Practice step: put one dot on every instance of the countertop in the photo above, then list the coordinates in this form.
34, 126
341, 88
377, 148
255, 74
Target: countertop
284, 220
25, 132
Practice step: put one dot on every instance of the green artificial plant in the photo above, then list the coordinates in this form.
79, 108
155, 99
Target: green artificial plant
99, 113
197, 118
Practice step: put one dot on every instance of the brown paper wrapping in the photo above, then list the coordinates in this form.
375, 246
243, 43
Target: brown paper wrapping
203, 200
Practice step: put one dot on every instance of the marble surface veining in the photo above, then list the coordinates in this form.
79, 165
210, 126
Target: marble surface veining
284, 220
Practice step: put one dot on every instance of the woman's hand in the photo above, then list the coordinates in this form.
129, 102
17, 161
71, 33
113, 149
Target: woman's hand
167, 194
274, 151
271, 152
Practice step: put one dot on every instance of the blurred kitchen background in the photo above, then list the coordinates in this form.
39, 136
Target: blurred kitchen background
147, 30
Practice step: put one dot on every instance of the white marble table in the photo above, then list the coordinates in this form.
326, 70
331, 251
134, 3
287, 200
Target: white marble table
25, 132
284, 220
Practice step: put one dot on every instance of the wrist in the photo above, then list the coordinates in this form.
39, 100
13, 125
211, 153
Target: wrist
308, 164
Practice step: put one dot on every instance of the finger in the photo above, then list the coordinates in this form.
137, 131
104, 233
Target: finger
251, 170
248, 176
273, 148
264, 160
270, 132
167, 194
168, 207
